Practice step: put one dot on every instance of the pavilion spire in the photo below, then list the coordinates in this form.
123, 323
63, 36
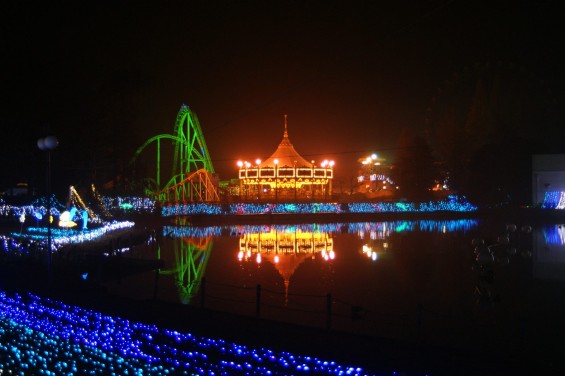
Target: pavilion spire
285, 128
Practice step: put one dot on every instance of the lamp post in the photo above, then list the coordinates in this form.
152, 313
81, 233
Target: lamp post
324, 188
294, 174
258, 164
240, 165
331, 164
313, 185
48, 144
276, 161
247, 164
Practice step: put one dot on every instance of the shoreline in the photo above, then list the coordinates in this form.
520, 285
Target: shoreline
531, 215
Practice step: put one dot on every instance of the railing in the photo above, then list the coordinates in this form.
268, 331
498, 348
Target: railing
421, 325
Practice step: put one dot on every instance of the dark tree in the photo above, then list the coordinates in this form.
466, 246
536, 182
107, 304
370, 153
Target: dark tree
414, 171
482, 119
500, 173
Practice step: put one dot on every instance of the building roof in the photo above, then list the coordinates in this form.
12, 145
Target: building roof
286, 154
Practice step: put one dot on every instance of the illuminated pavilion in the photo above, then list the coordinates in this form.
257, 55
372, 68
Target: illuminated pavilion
286, 176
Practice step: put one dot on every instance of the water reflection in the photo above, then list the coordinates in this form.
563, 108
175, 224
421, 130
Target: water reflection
386, 228
549, 247
285, 247
191, 249
413, 280
490, 256
377, 234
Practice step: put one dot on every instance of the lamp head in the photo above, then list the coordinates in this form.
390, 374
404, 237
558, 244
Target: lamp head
47, 143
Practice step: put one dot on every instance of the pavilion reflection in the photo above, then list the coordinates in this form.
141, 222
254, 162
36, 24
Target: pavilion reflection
286, 247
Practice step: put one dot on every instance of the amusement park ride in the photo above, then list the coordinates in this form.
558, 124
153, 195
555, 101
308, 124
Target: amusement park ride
284, 176
192, 175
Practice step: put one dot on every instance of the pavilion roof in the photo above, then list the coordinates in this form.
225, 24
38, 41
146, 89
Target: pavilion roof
286, 154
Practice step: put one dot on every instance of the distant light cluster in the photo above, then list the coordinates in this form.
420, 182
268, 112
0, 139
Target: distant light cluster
37, 237
9, 245
43, 336
452, 204
136, 204
284, 208
114, 204
179, 209
147, 205
39, 206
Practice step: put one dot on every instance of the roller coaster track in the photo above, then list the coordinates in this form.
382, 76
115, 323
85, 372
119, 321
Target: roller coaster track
198, 186
192, 172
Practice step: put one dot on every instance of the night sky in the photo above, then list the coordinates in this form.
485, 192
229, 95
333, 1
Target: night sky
350, 75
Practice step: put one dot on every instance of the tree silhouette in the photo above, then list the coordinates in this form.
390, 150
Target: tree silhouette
414, 171
482, 120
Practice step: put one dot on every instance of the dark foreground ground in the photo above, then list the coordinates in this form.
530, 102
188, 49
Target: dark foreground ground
377, 355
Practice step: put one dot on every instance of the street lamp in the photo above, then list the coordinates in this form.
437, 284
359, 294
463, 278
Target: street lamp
313, 180
247, 165
48, 144
276, 161
327, 187
258, 164
294, 181
240, 165
331, 164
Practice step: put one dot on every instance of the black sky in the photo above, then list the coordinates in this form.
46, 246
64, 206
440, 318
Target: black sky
104, 77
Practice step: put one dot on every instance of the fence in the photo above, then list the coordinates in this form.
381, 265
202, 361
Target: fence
336, 314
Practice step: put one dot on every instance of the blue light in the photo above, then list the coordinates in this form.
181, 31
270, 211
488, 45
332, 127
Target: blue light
50, 337
452, 204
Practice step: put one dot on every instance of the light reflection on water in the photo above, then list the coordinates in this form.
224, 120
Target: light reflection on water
399, 279
549, 255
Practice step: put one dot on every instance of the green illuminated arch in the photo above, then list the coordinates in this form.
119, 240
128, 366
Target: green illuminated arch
190, 151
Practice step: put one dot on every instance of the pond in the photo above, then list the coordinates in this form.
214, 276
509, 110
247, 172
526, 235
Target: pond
463, 283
